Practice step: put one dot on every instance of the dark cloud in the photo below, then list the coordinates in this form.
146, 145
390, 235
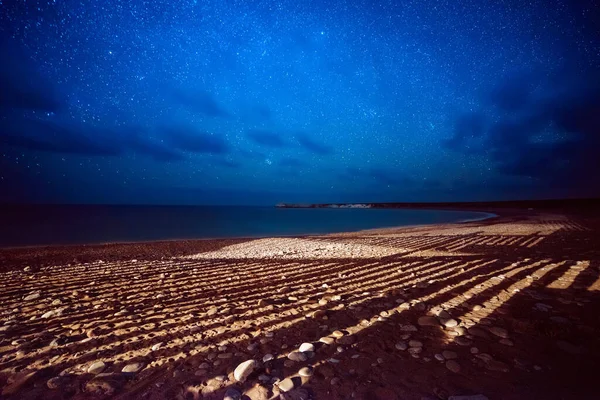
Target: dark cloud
313, 146
189, 139
22, 86
201, 102
266, 138
552, 137
262, 112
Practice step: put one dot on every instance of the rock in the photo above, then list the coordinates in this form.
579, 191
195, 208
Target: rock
225, 356
32, 296
449, 355
133, 367
327, 340
96, 367
244, 370
286, 385
500, 332
453, 366
268, 357
474, 350
347, 340
54, 383
306, 347
15, 382
478, 332
415, 343
401, 346
495, 365
297, 356
337, 334
449, 322
439, 357
506, 342
232, 394
473, 397
156, 347
569, 347
428, 320
306, 371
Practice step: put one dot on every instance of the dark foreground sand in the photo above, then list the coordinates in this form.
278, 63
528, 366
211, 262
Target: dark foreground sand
508, 308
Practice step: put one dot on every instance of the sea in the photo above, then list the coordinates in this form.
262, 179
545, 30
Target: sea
35, 225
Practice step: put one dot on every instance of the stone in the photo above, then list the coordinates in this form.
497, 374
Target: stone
32, 296
347, 340
449, 322
54, 383
244, 370
133, 367
500, 332
156, 347
306, 371
232, 394
286, 385
415, 343
268, 357
569, 347
474, 350
506, 342
337, 334
453, 366
428, 320
306, 347
478, 332
96, 367
401, 346
327, 340
439, 357
297, 356
495, 365
449, 355
105, 384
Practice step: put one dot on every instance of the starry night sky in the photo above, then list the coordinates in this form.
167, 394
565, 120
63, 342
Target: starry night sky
256, 102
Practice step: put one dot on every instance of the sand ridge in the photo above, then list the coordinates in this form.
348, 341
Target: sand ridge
504, 308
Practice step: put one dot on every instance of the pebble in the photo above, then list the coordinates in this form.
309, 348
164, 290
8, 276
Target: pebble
478, 332
224, 356
401, 346
506, 342
428, 320
267, 357
32, 296
286, 385
306, 371
327, 340
415, 343
474, 350
409, 328
453, 366
157, 346
232, 394
337, 334
306, 347
297, 356
500, 332
244, 370
439, 357
96, 367
449, 323
133, 367
53, 383
449, 355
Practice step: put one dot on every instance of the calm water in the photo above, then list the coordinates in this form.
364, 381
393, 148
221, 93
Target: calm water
38, 225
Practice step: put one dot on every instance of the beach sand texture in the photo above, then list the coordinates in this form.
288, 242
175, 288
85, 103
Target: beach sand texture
507, 308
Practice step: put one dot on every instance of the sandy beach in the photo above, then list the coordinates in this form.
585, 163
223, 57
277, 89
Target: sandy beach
505, 308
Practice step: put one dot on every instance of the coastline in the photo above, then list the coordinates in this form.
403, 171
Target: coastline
520, 288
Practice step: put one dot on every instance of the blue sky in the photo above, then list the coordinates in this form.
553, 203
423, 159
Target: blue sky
237, 102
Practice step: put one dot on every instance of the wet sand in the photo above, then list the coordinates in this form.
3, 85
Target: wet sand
506, 308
